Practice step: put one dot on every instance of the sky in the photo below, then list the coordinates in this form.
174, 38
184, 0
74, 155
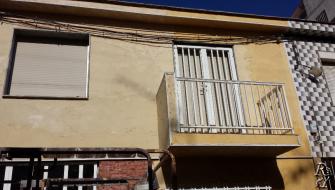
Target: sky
281, 8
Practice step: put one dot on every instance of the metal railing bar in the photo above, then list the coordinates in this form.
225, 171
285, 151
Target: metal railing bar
197, 85
246, 99
274, 111
234, 127
202, 47
230, 81
276, 103
192, 87
221, 77
253, 100
237, 121
286, 109
260, 107
281, 107
236, 106
217, 86
267, 110
185, 86
215, 94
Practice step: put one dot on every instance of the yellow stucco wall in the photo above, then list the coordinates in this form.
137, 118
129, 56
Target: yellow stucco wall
297, 173
268, 63
121, 110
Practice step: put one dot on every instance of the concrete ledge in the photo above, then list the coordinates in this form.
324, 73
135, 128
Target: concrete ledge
233, 144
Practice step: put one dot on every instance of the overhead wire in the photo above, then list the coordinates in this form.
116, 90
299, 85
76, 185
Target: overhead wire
144, 37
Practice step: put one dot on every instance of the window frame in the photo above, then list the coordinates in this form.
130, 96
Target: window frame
327, 58
86, 38
232, 67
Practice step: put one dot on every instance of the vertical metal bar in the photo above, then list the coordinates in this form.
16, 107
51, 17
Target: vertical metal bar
208, 91
262, 116
222, 77
45, 174
278, 106
286, 110
221, 116
275, 105
215, 92
254, 105
186, 87
197, 72
231, 105
193, 88
80, 175
238, 121
66, 175
203, 90
38, 172
180, 112
30, 172
273, 109
282, 110
228, 111
95, 174
229, 90
286, 119
234, 77
248, 109
267, 113
8, 177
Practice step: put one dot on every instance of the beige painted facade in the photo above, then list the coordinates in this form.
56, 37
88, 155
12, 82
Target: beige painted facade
124, 78
122, 89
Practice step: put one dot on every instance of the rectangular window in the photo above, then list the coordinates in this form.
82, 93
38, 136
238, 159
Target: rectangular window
322, 17
48, 64
329, 71
202, 99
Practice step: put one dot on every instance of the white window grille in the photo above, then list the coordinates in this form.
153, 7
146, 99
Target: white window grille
15, 175
211, 99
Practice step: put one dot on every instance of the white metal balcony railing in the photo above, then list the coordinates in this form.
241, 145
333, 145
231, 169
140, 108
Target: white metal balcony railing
220, 106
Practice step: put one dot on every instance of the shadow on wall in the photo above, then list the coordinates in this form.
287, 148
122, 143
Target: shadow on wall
136, 86
208, 172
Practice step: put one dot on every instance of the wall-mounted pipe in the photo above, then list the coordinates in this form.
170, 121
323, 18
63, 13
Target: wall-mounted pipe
166, 156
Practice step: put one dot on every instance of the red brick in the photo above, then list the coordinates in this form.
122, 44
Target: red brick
133, 171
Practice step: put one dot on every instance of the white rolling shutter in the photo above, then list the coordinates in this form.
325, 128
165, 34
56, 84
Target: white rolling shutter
49, 70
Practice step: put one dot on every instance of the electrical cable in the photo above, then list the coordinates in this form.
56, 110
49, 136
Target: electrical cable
139, 36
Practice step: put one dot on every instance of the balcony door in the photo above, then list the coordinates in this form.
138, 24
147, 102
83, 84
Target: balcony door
207, 96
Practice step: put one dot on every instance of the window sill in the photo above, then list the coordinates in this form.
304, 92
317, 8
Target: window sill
43, 97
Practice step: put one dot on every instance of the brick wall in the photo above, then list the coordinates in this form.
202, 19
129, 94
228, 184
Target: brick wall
134, 171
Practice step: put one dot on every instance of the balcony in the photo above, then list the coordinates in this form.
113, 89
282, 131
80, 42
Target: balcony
198, 116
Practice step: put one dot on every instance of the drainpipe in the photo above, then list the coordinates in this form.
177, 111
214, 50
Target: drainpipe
166, 156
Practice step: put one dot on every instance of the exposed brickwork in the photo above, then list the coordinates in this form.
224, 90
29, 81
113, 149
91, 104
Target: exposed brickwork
132, 171
113, 187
